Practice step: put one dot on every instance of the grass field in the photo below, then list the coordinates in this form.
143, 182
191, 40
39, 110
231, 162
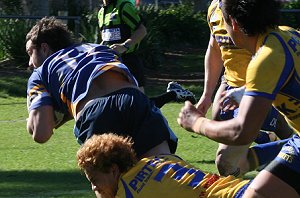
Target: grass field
28, 169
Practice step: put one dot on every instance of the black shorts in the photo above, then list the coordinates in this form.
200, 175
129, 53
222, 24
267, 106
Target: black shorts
135, 66
126, 112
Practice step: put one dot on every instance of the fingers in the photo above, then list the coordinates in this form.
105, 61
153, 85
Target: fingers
229, 104
187, 116
118, 48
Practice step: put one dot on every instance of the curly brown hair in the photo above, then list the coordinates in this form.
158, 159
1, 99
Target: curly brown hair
51, 31
100, 152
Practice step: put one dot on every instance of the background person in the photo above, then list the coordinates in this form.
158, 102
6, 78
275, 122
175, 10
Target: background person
122, 30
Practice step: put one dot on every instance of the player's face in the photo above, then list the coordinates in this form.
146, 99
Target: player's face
105, 185
106, 2
36, 56
229, 28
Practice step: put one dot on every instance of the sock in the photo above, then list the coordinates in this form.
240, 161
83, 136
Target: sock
164, 98
265, 137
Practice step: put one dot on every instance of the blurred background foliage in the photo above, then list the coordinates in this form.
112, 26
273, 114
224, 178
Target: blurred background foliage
173, 26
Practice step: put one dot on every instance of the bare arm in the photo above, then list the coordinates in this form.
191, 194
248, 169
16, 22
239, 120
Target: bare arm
213, 68
240, 130
135, 38
40, 123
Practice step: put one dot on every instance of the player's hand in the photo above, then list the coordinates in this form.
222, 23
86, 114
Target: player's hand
120, 48
228, 104
188, 116
203, 104
231, 99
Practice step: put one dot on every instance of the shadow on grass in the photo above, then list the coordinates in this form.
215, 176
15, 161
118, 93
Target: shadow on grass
12, 103
44, 184
13, 82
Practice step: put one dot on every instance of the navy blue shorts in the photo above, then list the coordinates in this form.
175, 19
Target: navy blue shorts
126, 112
269, 123
286, 165
290, 154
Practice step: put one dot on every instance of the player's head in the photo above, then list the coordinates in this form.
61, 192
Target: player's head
103, 158
47, 36
51, 31
252, 16
107, 2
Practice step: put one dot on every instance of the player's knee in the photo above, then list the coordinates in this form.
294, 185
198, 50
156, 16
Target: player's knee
224, 166
250, 192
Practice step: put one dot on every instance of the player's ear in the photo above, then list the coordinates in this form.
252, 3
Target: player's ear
234, 23
46, 49
115, 171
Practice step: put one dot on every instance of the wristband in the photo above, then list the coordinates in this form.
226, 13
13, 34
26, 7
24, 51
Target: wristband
126, 45
199, 126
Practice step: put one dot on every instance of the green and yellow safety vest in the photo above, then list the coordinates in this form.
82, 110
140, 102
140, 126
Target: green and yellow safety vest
117, 22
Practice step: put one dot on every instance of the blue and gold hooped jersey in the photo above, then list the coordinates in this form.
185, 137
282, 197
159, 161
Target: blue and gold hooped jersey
64, 77
274, 72
235, 59
169, 176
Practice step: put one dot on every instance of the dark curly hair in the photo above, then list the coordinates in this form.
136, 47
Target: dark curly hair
51, 31
253, 16
100, 152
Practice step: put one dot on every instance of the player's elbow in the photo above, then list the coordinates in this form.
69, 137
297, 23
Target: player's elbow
242, 136
42, 136
39, 139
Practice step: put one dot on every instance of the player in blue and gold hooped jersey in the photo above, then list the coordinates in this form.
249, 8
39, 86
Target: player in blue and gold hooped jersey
272, 78
111, 166
87, 82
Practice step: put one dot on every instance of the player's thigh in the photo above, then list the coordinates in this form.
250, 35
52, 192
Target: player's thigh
266, 184
283, 129
232, 153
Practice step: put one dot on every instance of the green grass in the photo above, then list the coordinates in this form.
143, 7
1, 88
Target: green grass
29, 169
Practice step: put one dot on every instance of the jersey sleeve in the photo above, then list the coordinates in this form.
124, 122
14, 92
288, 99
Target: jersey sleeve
210, 11
37, 94
264, 74
130, 16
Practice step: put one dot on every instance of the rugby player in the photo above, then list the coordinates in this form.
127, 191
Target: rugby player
111, 166
222, 54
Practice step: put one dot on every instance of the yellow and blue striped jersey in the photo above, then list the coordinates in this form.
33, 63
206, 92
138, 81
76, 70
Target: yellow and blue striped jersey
170, 176
274, 72
235, 60
64, 77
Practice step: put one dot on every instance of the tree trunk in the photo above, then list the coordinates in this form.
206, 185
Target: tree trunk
36, 7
